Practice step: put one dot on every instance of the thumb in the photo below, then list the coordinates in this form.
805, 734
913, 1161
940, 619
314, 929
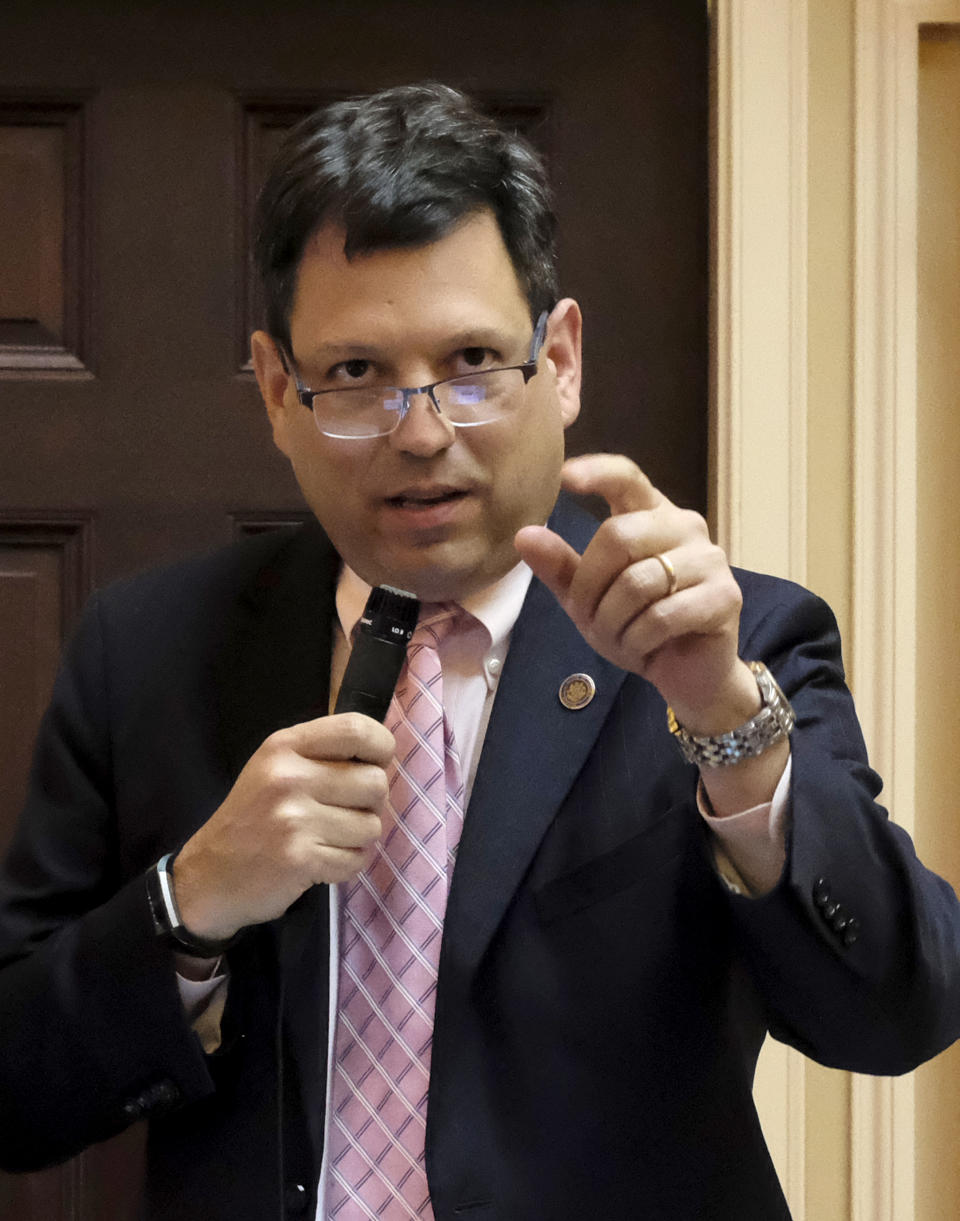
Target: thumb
552, 559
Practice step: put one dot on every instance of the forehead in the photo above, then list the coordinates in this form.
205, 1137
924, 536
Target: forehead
462, 280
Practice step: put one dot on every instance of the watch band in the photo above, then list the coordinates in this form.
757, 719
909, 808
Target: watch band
773, 722
166, 915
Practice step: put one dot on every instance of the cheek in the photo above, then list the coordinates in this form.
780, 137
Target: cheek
331, 488
528, 474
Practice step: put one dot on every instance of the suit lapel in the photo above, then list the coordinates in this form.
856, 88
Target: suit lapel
532, 753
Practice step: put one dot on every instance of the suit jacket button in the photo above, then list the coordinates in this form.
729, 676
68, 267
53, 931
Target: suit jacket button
295, 1199
821, 892
829, 910
852, 932
166, 1093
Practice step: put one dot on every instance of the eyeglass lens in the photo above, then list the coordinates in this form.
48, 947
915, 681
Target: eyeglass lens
465, 401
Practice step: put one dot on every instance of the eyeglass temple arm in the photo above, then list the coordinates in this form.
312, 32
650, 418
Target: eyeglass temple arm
539, 335
290, 368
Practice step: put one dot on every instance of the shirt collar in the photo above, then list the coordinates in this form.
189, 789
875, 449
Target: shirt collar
496, 606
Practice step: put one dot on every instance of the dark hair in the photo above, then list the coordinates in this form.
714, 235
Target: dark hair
401, 168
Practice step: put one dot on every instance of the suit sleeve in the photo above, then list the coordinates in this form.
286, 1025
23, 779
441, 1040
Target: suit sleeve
856, 952
92, 1030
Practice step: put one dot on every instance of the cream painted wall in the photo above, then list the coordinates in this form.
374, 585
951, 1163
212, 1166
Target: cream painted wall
938, 568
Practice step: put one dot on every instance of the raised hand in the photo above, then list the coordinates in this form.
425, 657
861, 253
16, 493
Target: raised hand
651, 593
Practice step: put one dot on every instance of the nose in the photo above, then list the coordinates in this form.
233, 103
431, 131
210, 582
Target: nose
423, 431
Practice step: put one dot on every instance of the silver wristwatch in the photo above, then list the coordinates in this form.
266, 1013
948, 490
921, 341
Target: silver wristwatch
774, 721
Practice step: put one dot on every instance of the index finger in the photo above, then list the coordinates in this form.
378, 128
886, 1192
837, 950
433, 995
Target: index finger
620, 482
344, 736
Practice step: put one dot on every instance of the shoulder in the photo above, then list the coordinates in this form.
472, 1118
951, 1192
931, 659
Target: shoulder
766, 597
790, 628
187, 605
242, 569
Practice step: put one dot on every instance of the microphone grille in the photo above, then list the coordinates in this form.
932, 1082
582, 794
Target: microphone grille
391, 613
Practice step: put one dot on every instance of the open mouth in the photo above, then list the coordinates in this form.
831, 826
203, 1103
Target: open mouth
411, 500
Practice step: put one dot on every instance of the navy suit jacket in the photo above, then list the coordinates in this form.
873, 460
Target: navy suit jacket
602, 997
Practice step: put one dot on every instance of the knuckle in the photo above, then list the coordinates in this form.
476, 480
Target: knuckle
379, 786
619, 532
356, 724
364, 737
695, 523
637, 580
371, 830
276, 743
275, 778
287, 819
298, 856
659, 615
339, 864
352, 728
384, 746
734, 602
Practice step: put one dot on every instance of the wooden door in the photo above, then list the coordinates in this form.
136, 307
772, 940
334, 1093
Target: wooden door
132, 140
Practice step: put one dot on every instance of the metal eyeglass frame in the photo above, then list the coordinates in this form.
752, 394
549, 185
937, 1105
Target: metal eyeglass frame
306, 395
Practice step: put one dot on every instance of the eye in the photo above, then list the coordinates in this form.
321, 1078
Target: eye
477, 358
350, 370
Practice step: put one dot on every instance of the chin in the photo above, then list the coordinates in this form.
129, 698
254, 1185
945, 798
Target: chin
434, 586
440, 572
445, 584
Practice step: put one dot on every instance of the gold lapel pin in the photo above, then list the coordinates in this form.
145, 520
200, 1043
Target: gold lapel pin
576, 691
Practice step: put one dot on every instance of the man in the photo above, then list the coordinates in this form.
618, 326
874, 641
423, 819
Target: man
622, 923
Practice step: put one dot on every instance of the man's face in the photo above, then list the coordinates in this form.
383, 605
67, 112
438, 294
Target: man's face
428, 508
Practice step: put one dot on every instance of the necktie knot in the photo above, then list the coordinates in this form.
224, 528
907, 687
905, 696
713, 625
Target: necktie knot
436, 621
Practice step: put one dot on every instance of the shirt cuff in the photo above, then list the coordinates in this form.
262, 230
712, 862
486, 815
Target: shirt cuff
203, 1003
750, 848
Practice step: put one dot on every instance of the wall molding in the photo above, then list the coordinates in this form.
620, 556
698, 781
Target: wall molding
27, 351
885, 519
67, 533
760, 322
759, 372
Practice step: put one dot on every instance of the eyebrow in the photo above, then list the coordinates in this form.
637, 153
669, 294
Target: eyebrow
473, 337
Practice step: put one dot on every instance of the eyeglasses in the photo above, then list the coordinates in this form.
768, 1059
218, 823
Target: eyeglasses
360, 412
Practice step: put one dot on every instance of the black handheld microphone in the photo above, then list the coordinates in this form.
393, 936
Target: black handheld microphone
385, 628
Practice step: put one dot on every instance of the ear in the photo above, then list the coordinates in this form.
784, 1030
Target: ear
273, 381
562, 349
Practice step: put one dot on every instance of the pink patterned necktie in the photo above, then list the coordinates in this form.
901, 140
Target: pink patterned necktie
391, 924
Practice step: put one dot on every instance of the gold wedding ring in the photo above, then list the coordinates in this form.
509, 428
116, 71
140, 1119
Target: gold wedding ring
671, 572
